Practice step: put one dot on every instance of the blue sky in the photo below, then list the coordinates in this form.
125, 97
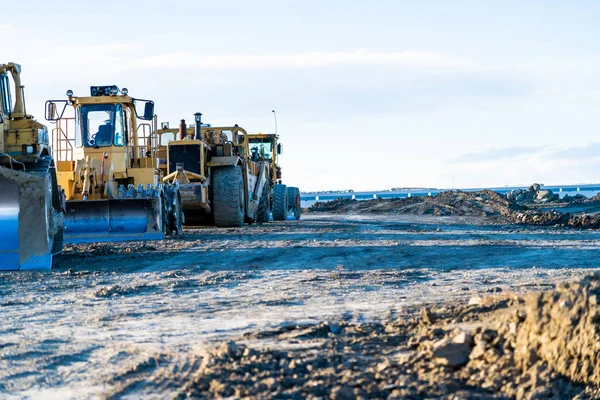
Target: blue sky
369, 95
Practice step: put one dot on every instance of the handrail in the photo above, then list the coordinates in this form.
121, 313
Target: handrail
62, 142
141, 147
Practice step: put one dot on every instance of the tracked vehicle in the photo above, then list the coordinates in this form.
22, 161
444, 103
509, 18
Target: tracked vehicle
31, 205
110, 176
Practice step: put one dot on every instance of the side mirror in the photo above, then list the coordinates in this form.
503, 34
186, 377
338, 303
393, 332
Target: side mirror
279, 148
52, 109
149, 111
52, 112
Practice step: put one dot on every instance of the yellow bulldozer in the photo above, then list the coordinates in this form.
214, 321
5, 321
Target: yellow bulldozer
220, 183
31, 203
285, 199
111, 179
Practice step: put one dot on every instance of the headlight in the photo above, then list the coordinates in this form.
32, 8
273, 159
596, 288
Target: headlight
28, 149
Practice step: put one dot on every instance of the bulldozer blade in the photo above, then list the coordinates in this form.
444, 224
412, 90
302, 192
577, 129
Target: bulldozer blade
120, 220
25, 221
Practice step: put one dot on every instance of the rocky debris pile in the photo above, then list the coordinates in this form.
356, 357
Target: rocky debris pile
541, 345
485, 203
517, 207
579, 198
534, 194
558, 219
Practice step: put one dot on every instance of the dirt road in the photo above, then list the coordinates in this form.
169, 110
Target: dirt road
109, 309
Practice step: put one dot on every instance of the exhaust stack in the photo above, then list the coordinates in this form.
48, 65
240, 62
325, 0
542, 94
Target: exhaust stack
198, 131
182, 130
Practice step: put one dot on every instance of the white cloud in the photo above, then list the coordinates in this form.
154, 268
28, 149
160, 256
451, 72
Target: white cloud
410, 58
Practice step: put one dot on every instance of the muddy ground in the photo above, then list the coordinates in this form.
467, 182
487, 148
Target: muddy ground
333, 306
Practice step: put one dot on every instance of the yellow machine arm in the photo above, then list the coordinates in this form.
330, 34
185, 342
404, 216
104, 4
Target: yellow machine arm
15, 70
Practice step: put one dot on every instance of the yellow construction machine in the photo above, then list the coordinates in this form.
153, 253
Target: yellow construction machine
220, 184
110, 176
31, 206
285, 199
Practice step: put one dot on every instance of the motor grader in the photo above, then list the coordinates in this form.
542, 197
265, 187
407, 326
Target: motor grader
31, 206
220, 183
285, 199
111, 178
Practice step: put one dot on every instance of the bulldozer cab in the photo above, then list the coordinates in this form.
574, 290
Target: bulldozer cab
106, 136
102, 125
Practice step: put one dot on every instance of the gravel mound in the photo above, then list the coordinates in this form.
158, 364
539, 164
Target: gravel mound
486, 204
541, 345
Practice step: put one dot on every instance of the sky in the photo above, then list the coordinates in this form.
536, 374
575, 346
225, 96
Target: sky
368, 95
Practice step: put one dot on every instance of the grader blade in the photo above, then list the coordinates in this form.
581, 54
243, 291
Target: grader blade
113, 220
25, 221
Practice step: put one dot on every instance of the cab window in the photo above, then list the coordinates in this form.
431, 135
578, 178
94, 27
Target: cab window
98, 124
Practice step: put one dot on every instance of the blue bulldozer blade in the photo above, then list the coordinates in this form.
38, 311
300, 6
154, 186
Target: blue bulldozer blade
115, 220
26, 220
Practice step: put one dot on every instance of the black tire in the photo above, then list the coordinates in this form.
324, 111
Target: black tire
294, 202
176, 217
262, 215
57, 205
228, 197
165, 210
280, 203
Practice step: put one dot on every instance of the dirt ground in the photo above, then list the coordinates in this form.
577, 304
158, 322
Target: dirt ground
332, 306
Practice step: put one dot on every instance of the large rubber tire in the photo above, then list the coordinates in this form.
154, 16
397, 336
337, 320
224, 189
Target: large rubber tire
57, 205
294, 202
176, 217
280, 203
228, 197
165, 211
264, 207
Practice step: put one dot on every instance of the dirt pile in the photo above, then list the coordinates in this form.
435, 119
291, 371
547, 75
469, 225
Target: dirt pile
556, 218
542, 345
485, 203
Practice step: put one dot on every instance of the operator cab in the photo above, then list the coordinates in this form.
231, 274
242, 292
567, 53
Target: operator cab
105, 118
262, 148
102, 125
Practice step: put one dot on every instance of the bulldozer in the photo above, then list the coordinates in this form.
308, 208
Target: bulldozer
285, 199
31, 203
111, 179
220, 184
